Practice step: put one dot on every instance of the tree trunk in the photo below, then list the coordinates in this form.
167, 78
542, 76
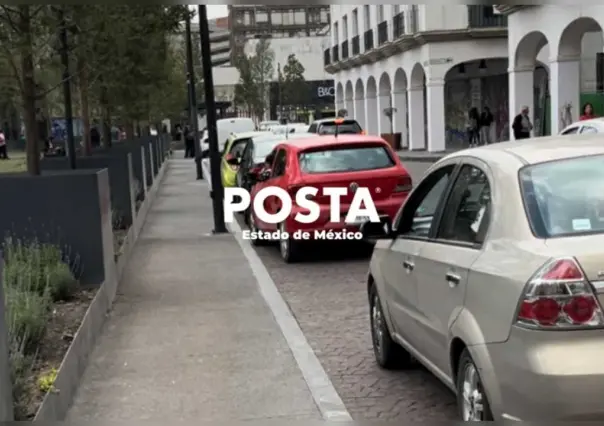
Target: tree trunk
29, 93
83, 86
106, 117
130, 130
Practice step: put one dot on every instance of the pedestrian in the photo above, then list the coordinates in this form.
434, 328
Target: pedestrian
189, 143
486, 120
588, 112
95, 137
3, 147
472, 119
522, 125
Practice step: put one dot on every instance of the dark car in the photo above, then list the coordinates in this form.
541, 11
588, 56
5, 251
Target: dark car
327, 126
253, 156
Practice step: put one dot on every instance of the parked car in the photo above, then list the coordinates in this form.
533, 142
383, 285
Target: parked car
327, 126
492, 277
225, 127
594, 125
233, 151
290, 128
349, 161
268, 125
253, 159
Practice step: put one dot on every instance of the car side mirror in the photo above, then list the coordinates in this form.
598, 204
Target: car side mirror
232, 160
377, 230
264, 175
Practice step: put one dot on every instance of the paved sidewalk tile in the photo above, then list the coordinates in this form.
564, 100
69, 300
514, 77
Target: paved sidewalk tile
190, 336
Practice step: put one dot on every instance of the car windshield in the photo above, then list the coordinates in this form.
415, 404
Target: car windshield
347, 127
263, 148
345, 159
238, 146
565, 197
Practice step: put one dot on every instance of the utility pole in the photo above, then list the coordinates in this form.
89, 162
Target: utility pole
67, 89
193, 98
208, 79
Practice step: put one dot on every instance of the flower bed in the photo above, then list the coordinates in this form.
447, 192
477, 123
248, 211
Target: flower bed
44, 308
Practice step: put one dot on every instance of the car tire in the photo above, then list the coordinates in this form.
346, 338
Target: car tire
472, 401
388, 354
288, 247
251, 223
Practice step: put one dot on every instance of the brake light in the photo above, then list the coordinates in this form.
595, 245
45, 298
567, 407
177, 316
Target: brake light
404, 185
363, 132
559, 296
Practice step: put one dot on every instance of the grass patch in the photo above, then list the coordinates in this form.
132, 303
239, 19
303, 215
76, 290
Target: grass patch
15, 164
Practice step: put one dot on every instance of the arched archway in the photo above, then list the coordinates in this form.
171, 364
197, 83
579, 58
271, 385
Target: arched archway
528, 76
385, 124
417, 108
371, 105
565, 71
359, 103
349, 98
339, 98
399, 102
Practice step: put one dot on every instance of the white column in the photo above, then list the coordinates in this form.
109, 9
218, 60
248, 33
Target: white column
521, 92
565, 80
417, 134
435, 98
371, 115
359, 112
399, 101
384, 125
349, 106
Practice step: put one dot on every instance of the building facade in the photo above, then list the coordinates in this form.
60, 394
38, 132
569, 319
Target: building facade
565, 41
426, 65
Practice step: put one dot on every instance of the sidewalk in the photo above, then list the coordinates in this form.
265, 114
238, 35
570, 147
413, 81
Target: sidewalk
190, 336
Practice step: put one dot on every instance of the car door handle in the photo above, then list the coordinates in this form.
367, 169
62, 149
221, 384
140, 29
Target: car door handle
452, 279
408, 265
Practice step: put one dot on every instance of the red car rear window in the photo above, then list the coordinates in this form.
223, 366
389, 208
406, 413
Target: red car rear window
345, 159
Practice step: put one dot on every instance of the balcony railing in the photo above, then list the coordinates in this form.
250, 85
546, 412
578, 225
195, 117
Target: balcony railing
335, 55
356, 46
483, 17
345, 50
382, 32
398, 25
368, 39
326, 57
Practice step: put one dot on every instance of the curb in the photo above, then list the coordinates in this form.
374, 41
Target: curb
56, 403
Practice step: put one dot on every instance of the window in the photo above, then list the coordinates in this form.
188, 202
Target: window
248, 18
239, 17
355, 22
279, 166
571, 131
588, 129
238, 146
417, 215
564, 197
367, 18
466, 215
324, 16
348, 127
262, 149
345, 159
300, 17
345, 28
261, 17
277, 18
380, 13
313, 126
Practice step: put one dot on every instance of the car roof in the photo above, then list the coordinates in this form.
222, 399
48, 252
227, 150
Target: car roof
540, 149
327, 120
597, 120
314, 141
244, 135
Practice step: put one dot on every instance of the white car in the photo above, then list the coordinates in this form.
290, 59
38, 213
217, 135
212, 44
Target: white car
595, 125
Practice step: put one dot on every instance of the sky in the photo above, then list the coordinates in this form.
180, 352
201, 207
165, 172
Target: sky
213, 11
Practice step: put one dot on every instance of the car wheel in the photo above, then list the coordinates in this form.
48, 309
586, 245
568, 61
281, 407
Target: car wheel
388, 354
288, 247
472, 401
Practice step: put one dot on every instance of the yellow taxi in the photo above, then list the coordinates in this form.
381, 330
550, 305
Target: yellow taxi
233, 150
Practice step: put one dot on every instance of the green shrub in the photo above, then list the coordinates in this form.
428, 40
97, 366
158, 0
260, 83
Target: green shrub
21, 275
27, 314
61, 283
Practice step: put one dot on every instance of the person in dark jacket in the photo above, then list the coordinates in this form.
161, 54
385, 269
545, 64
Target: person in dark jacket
95, 137
486, 119
522, 125
189, 143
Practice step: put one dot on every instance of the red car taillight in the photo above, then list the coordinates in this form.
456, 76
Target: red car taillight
559, 296
404, 185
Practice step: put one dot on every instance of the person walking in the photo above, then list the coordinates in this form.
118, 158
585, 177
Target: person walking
588, 112
472, 119
189, 143
522, 125
486, 120
3, 147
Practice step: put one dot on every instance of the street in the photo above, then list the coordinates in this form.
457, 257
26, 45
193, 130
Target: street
327, 294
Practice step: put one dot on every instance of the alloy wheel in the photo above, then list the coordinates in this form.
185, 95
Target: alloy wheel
377, 324
472, 394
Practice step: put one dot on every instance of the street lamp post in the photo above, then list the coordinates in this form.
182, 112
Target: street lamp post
193, 98
67, 88
208, 79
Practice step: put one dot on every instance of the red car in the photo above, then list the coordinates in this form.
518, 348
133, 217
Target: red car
349, 161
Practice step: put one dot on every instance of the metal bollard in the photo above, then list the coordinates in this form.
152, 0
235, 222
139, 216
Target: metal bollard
6, 386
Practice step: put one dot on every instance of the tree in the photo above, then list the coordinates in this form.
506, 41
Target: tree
293, 84
255, 74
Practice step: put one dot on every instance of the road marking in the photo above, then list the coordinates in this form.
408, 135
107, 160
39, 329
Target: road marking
323, 392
